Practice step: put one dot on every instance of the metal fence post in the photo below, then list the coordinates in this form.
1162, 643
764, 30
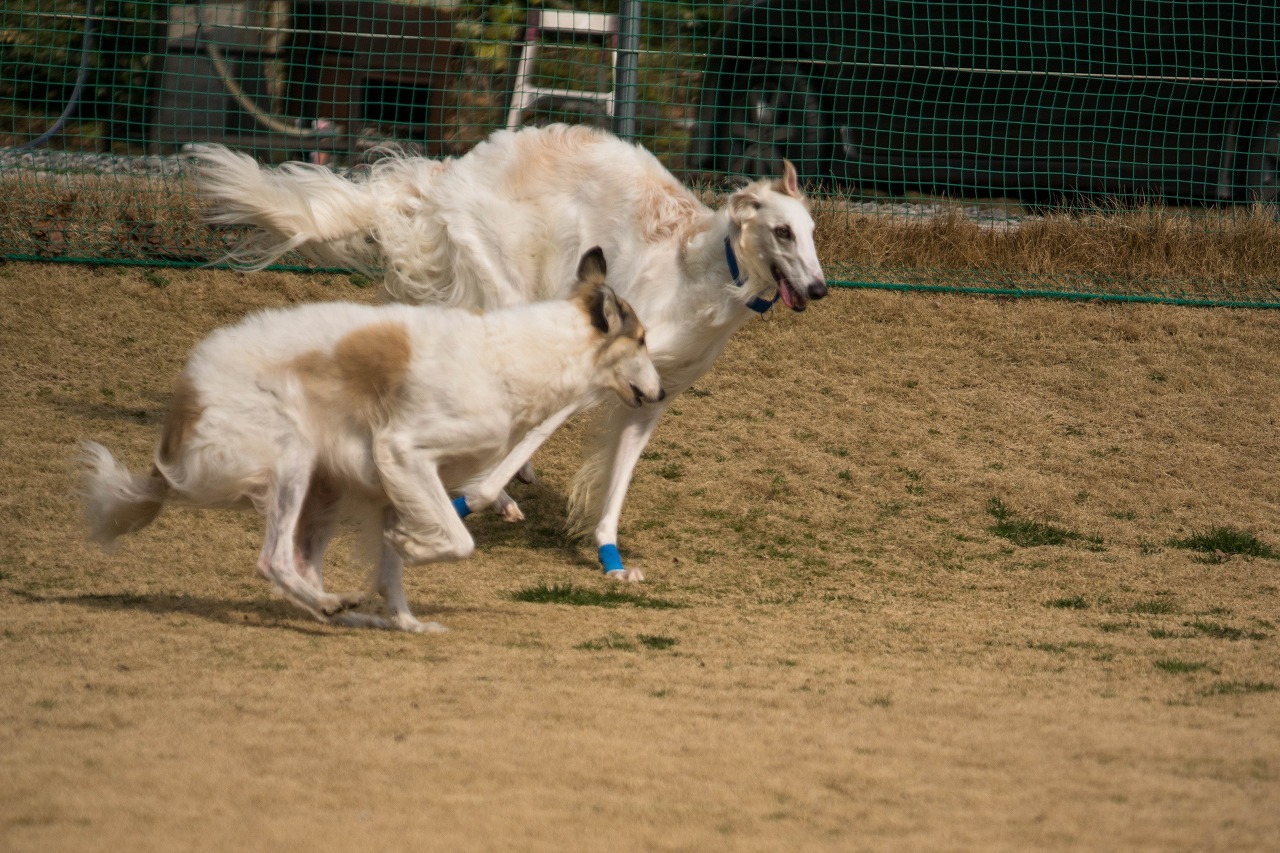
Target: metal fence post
624, 113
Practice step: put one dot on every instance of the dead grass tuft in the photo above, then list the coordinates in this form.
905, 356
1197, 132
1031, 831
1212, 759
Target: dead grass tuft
1221, 254
857, 659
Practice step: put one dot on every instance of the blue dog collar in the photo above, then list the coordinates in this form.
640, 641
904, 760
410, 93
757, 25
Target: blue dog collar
610, 559
757, 304
460, 504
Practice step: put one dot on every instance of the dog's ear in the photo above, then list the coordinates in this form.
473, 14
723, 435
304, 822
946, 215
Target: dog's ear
743, 204
789, 183
592, 267
613, 315
597, 300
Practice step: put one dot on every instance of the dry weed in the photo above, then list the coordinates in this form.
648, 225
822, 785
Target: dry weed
849, 652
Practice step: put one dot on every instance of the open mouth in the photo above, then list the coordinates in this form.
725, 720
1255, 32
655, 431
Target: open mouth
791, 297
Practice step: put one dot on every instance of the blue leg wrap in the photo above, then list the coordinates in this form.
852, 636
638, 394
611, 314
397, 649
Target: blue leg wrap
610, 559
460, 504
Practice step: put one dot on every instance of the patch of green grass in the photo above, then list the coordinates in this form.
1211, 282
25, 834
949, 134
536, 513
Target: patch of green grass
360, 281
1154, 607
914, 480
1224, 632
1026, 533
1220, 542
671, 471
656, 641
1236, 688
1178, 667
575, 596
1165, 634
154, 278
1074, 602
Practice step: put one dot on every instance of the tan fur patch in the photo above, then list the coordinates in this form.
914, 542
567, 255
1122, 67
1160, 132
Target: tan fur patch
665, 209
180, 421
363, 375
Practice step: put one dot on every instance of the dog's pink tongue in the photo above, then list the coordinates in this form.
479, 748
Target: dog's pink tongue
788, 295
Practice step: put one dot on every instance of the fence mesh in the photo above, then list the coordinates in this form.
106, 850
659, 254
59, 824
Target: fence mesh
1080, 147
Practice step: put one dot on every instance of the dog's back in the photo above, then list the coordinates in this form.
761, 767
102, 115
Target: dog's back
508, 222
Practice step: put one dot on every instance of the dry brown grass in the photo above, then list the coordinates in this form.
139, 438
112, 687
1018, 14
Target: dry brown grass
857, 661
1227, 255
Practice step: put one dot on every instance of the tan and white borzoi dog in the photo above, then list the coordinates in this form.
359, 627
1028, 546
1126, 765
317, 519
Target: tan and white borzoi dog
376, 411
505, 224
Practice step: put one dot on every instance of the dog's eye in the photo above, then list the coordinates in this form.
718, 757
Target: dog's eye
783, 232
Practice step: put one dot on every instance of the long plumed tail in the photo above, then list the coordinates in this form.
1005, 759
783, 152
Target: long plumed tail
297, 206
115, 501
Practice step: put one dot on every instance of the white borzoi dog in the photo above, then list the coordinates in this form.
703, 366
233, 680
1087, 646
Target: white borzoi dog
505, 224
381, 411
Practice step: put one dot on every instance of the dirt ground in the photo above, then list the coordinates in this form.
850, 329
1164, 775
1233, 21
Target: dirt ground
835, 649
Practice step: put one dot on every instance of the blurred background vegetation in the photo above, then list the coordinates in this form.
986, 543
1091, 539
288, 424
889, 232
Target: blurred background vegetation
42, 50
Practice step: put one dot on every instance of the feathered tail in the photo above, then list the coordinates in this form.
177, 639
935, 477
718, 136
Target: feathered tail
298, 206
115, 501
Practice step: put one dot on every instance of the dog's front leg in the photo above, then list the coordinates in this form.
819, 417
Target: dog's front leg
491, 488
630, 442
427, 528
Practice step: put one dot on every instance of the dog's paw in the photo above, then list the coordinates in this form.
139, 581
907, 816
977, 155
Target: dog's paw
332, 605
406, 622
526, 474
625, 575
507, 509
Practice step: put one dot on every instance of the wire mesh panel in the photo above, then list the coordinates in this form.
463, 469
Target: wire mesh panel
1067, 146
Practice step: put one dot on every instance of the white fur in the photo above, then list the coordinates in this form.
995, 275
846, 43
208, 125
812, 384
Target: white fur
505, 223
384, 410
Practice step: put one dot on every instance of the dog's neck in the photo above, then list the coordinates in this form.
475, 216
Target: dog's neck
758, 304
562, 371
717, 267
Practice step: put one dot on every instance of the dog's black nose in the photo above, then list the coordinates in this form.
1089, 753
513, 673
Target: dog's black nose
817, 289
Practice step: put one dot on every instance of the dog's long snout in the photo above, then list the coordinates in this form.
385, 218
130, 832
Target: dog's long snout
641, 397
817, 289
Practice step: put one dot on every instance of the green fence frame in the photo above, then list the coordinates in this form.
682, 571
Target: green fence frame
1059, 117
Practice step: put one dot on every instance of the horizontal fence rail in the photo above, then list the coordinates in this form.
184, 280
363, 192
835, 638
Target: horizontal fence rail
1086, 149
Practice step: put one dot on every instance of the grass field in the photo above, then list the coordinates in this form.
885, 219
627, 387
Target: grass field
925, 573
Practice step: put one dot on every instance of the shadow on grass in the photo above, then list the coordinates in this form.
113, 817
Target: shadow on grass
265, 613
544, 528
150, 415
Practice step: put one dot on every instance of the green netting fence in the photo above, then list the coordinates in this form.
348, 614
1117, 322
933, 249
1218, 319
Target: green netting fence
1068, 147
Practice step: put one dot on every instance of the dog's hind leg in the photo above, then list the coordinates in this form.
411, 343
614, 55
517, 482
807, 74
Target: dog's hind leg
316, 525
279, 560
